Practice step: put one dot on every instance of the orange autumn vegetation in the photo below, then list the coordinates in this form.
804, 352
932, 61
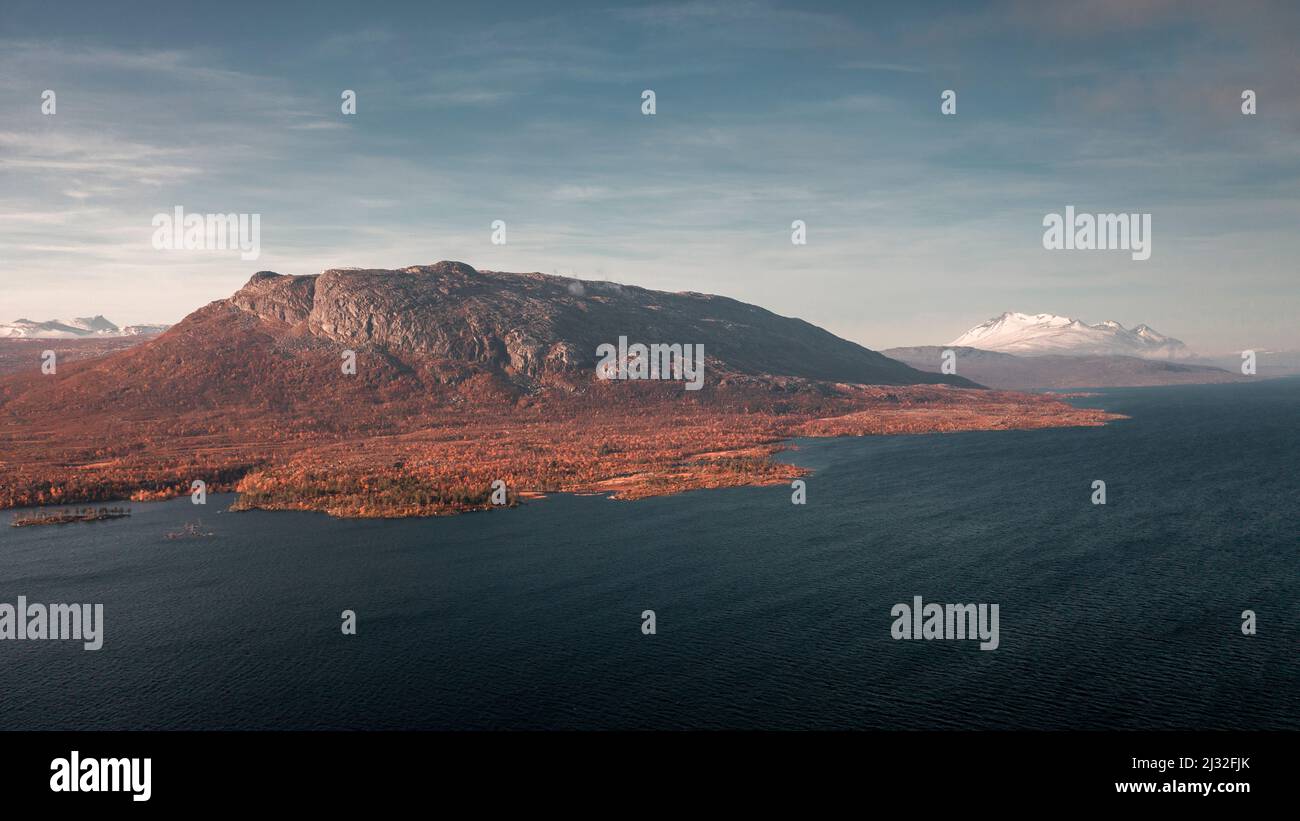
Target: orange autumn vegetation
412, 459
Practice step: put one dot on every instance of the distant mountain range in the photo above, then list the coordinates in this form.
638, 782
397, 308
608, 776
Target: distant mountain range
80, 328
1018, 351
1015, 372
1040, 334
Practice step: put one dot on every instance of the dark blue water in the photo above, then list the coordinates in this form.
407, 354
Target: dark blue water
769, 615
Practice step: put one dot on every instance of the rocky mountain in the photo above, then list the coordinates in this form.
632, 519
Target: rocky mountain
1013, 372
1039, 334
534, 328
80, 328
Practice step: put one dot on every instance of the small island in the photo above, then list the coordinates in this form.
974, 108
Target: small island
61, 517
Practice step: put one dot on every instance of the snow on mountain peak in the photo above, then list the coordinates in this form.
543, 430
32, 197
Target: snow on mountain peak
1030, 334
83, 327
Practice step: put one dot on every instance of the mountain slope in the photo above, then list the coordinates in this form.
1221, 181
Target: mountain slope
1038, 334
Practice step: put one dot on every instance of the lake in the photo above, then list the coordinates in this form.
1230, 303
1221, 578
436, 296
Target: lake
768, 614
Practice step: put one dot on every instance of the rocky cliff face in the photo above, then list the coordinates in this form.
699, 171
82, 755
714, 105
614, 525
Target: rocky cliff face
530, 327
277, 298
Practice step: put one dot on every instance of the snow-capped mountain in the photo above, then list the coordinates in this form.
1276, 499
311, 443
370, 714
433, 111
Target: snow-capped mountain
1030, 334
80, 328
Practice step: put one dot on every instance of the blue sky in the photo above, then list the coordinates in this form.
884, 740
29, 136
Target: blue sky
919, 225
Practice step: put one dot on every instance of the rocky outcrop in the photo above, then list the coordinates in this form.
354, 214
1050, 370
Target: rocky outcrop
277, 297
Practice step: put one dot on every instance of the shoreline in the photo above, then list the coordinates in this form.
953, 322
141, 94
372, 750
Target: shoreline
754, 464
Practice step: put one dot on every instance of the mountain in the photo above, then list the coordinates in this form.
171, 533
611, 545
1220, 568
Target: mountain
531, 328
462, 378
1038, 334
80, 328
1012, 372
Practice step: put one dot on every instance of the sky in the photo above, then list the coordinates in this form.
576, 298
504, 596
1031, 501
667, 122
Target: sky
919, 224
